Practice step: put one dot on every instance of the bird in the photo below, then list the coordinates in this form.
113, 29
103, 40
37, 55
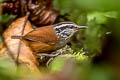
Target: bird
50, 38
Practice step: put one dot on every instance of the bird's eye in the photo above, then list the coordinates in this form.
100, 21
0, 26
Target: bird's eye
72, 26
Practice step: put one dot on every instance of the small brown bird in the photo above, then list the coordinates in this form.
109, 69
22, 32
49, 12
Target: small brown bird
50, 38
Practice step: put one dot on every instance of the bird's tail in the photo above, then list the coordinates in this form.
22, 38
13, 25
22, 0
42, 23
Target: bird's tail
16, 37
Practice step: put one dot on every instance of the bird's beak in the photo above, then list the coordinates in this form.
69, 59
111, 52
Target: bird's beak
82, 27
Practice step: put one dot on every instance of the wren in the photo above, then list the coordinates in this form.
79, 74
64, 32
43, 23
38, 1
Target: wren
50, 38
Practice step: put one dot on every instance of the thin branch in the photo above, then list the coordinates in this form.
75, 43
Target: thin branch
19, 46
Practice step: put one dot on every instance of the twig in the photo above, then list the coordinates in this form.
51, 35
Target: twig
19, 46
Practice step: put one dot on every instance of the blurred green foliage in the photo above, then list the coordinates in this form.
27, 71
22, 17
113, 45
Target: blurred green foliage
5, 20
101, 17
58, 63
7, 70
98, 73
95, 14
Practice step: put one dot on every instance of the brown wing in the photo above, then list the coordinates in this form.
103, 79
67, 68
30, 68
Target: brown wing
42, 39
41, 47
43, 35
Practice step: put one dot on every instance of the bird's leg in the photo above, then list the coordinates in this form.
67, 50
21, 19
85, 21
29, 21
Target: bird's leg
49, 61
58, 52
49, 55
52, 56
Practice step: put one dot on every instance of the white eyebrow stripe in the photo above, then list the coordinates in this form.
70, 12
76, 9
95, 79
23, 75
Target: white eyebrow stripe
62, 25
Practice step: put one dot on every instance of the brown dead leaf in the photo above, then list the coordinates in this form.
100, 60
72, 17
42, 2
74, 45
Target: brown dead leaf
26, 55
3, 51
42, 12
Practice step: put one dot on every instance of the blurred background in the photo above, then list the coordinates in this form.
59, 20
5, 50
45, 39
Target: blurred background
94, 52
